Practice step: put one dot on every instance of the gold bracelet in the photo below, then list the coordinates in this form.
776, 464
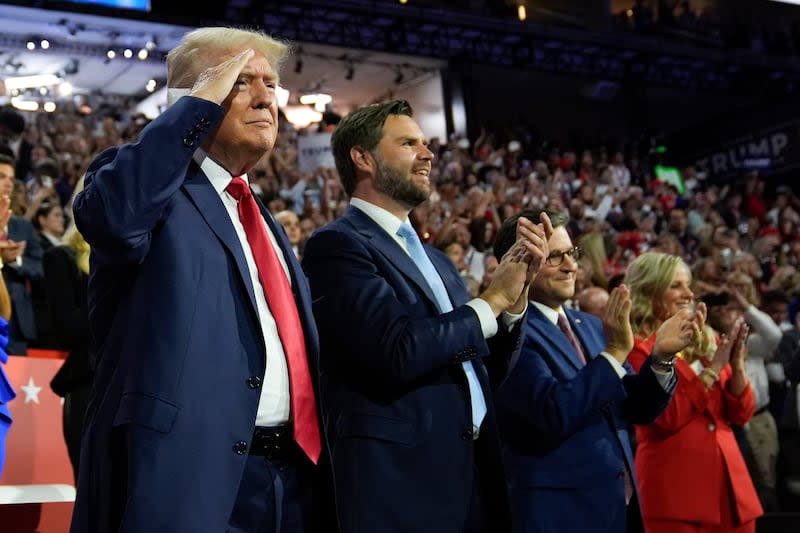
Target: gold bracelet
707, 372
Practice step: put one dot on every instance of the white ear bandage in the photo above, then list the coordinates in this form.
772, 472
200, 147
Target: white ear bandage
174, 94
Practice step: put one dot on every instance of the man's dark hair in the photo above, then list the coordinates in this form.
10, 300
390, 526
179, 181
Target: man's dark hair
362, 127
773, 297
12, 120
507, 234
6, 159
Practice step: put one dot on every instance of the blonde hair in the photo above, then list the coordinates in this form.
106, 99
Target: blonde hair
648, 277
594, 248
746, 282
75, 241
202, 48
72, 237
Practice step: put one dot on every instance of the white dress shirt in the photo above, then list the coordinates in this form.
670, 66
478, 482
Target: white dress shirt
274, 407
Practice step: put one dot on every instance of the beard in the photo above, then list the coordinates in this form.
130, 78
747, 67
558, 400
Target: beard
399, 186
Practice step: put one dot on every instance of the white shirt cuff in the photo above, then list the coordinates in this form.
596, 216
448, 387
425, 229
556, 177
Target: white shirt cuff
664, 377
509, 320
485, 317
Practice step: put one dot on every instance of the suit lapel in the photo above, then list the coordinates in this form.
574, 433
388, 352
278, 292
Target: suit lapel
551, 335
390, 249
452, 281
211, 208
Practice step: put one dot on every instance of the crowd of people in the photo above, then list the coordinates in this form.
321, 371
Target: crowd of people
733, 247
716, 24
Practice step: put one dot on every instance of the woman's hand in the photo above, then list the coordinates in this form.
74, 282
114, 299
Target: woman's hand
726, 345
739, 349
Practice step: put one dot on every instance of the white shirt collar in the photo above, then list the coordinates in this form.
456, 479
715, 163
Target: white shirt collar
216, 174
549, 313
386, 220
55, 241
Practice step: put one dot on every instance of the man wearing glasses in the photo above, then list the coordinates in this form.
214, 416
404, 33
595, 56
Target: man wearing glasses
565, 411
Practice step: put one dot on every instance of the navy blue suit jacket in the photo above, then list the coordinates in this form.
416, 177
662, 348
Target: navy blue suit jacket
565, 427
176, 334
395, 402
18, 280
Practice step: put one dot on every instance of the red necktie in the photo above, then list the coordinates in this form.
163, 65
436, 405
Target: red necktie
564, 325
281, 302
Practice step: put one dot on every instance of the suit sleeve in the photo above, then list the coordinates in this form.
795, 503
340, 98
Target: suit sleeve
70, 317
31, 268
646, 396
366, 325
740, 408
127, 190
558, 409
505, 349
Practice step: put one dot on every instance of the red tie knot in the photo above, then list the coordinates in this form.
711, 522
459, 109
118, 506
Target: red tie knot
238, 189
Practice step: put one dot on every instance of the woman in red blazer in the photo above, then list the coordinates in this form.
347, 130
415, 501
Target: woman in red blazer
692, 477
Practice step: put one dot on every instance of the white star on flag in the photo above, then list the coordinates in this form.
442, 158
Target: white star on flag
31, 391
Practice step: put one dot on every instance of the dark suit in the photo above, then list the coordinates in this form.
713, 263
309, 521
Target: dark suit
65, 290
19, 280
179, 345
396, 407
565, 427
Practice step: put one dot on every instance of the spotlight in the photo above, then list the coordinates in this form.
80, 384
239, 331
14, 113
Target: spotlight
45, 44
522, 12
49, 106
143, 53
65, 88
43, 91
111, 54
151, 43
30, 45
128, 53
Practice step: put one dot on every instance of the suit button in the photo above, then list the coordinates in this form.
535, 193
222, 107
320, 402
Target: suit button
711, 426
466, 434
254, 382
240, 447
188, 142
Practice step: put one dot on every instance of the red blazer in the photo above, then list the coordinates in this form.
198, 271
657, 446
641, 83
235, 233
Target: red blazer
689, 454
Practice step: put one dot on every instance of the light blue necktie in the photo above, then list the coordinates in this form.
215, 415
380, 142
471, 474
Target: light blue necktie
423, 262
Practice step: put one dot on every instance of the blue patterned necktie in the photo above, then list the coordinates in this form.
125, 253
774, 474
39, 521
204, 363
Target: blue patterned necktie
423, 262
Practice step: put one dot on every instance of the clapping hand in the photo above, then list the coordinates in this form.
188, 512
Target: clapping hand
5, 211
508, 290
617, 323
677, 332
534, 238
738, 352
730, 343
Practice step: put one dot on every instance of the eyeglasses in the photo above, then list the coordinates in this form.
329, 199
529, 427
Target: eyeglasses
556, 258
